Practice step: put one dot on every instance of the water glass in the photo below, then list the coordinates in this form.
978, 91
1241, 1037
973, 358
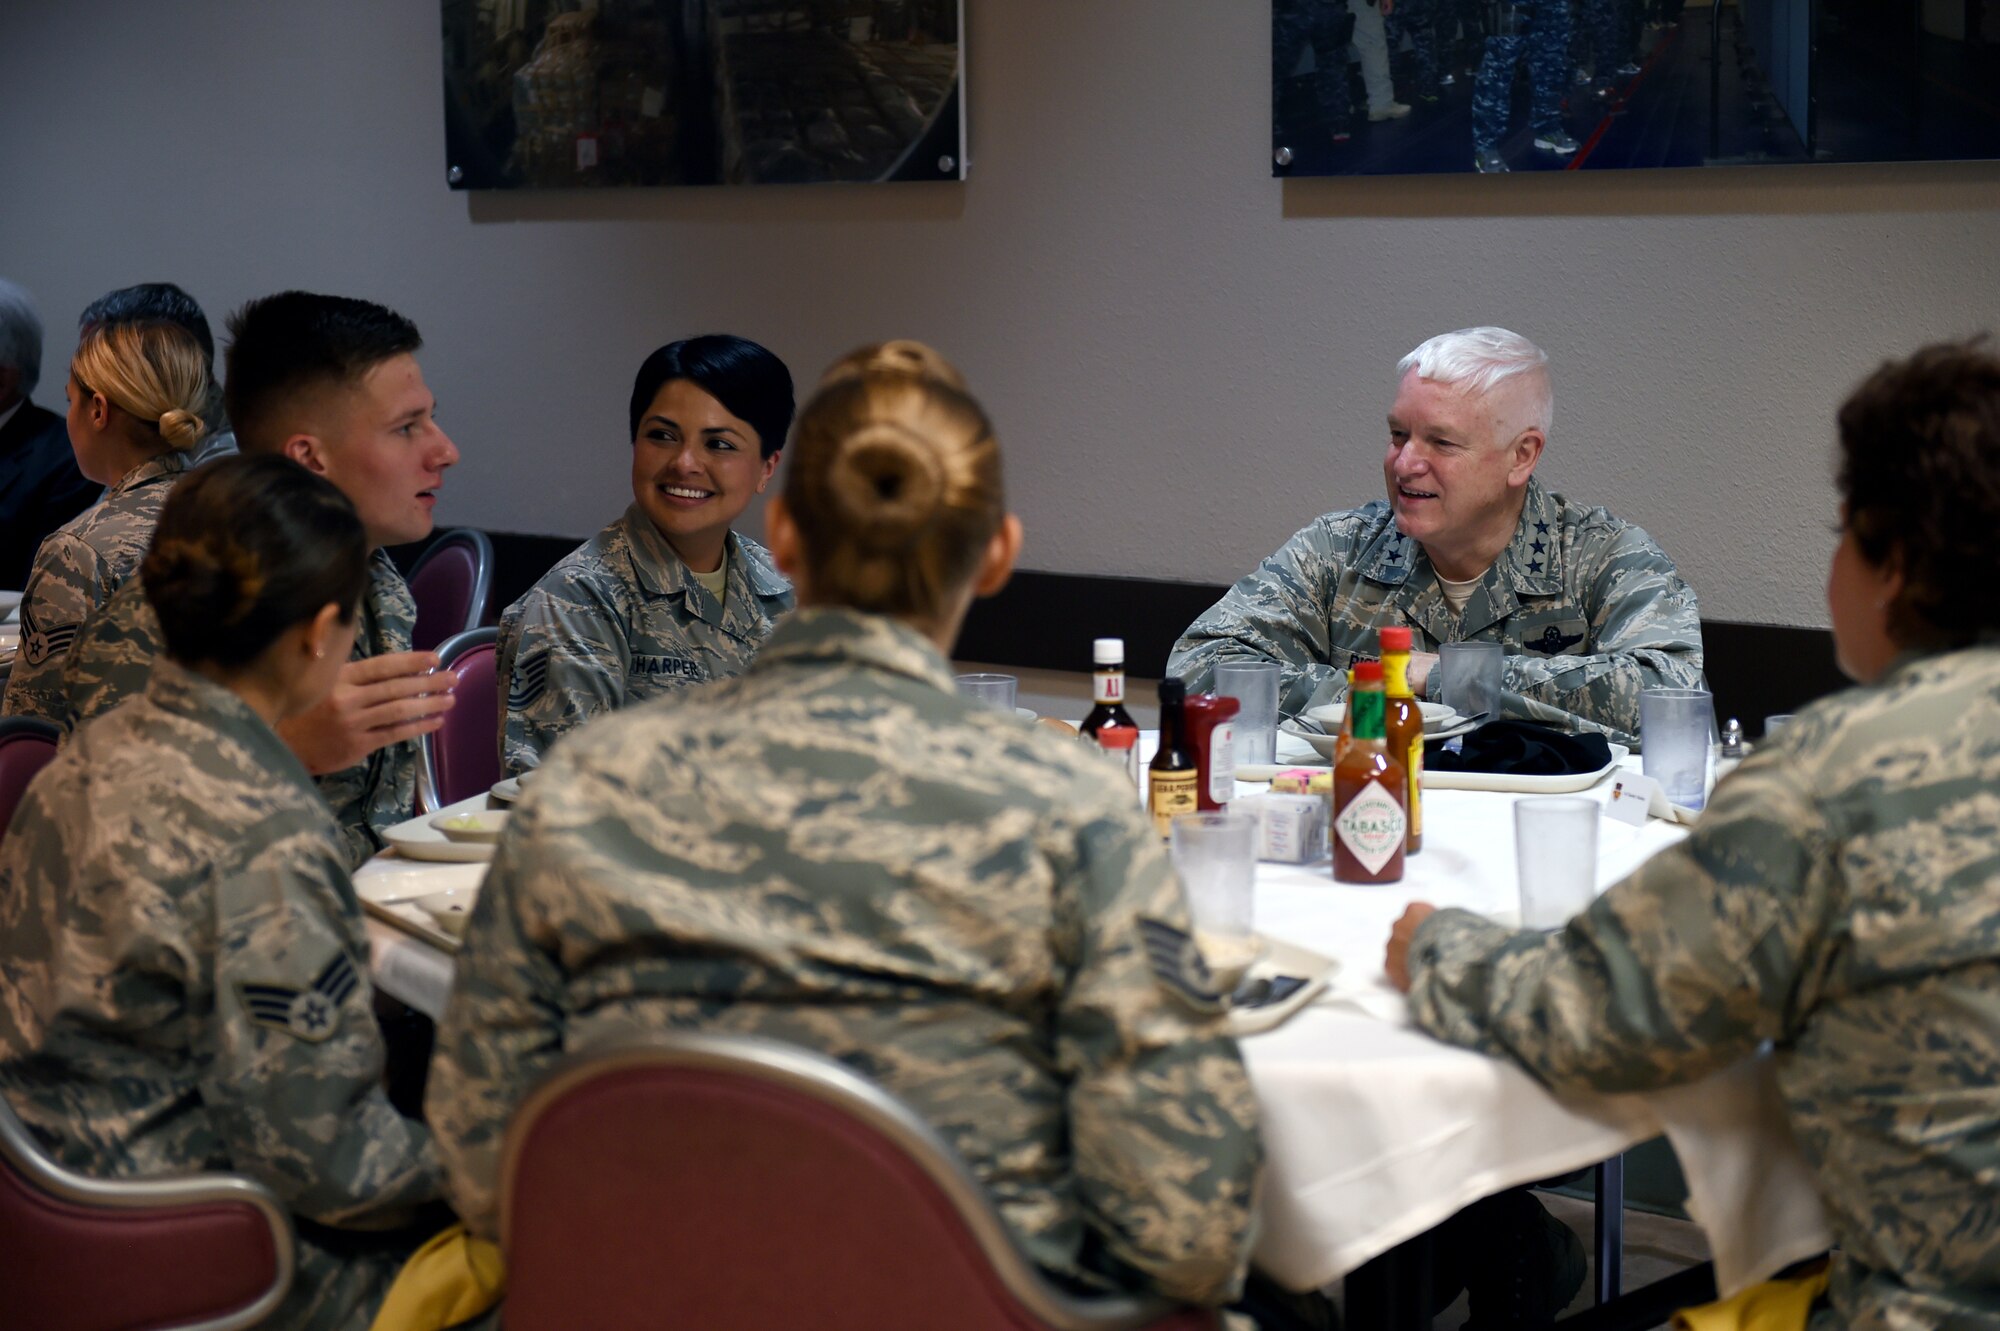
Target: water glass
1555, 853
993, 690
1254, 685
1675, 727
1470, 674
1216, 857
1776, 722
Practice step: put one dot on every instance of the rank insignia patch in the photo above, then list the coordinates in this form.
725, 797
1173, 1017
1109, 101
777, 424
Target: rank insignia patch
1177, 965
531, 680
309, 1014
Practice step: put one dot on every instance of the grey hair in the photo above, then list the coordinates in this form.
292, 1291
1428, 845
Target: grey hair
20, 335
1479, 360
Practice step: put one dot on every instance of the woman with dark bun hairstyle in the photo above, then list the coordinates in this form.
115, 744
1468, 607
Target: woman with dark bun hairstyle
1839, 901
181, 950
670, 594
838, 850
136, 393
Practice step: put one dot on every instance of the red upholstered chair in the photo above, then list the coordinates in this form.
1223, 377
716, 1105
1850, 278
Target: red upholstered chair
462, 757
26, 745
736, 1184
209, 1252
451, 581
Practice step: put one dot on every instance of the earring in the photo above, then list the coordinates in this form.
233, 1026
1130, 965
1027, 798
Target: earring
319, 653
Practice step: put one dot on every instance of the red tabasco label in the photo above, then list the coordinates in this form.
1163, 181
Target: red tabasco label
1372, 827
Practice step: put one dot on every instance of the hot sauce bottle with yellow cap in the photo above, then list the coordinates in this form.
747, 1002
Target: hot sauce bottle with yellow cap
1403, 726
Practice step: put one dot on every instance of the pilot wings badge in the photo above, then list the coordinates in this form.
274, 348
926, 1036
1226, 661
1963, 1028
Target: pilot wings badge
1176, 963
1553, 641
310, 1014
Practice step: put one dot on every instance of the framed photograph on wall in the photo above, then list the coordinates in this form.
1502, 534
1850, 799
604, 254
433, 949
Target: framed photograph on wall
551, 94
1402, 87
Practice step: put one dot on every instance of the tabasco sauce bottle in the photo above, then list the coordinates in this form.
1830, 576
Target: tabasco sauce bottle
1403, 727
1370, 791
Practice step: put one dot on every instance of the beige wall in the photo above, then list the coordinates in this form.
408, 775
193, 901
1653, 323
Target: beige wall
1188, 360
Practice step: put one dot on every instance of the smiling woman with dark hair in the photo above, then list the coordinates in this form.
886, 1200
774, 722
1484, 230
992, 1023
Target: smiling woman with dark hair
669, 594
1840, 897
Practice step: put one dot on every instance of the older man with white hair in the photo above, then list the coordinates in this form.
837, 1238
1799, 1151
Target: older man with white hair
1468, 546
40, 486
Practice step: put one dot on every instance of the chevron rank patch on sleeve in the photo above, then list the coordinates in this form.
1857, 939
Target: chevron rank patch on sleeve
310, 1014
1177, 964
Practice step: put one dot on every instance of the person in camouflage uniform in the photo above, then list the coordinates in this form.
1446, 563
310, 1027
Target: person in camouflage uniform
1840, 897
1538, 30
1589, 609
668, 595
839, 851
136, 394
164, 302
183, 967
1327, 27
333, 383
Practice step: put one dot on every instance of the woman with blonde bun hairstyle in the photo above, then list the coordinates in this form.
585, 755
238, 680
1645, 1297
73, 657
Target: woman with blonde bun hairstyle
136, 394
838, 851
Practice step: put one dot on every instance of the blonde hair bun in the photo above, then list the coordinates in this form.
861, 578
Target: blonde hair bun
889, 481
898, 356
181, 429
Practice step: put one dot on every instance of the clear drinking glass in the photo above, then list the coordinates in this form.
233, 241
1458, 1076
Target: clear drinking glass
1470, 675
1675, 727
1254, 685
1555, 854
993, 690
1776, 722
1216, 857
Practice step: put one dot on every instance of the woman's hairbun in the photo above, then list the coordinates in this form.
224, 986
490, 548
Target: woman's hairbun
181, 429
898, 356
888, 481
213, 577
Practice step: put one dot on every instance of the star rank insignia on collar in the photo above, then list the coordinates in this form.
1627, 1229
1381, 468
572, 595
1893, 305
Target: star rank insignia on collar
1534, 566
310, 1014
1178, 966
1541, 529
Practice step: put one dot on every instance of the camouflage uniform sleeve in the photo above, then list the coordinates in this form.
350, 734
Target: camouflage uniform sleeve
295, 1075
1276, 613
1162, 1120
67, 586
569, 663
1646, 631
502, 1027
1711, 948
112, 658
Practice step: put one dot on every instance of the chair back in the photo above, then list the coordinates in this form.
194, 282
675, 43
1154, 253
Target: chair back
462, 757
26, 746
696, 1179
451, 582
206, 1252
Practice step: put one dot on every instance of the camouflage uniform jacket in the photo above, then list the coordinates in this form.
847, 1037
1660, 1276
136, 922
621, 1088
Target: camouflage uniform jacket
838, 851
115, 654
621, 619
77, 568
184, 978
1590, 612
1840, 898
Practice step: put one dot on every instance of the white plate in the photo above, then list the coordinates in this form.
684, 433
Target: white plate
450, 908
1436, 715
1523, 785
418, 840
507, 791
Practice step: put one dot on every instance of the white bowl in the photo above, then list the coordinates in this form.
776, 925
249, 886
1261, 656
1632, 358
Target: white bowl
480, 827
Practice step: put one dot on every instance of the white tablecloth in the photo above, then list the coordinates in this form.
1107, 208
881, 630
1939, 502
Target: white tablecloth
1374, 1132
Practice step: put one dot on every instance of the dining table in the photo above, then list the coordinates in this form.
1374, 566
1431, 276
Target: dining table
1374, 1132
